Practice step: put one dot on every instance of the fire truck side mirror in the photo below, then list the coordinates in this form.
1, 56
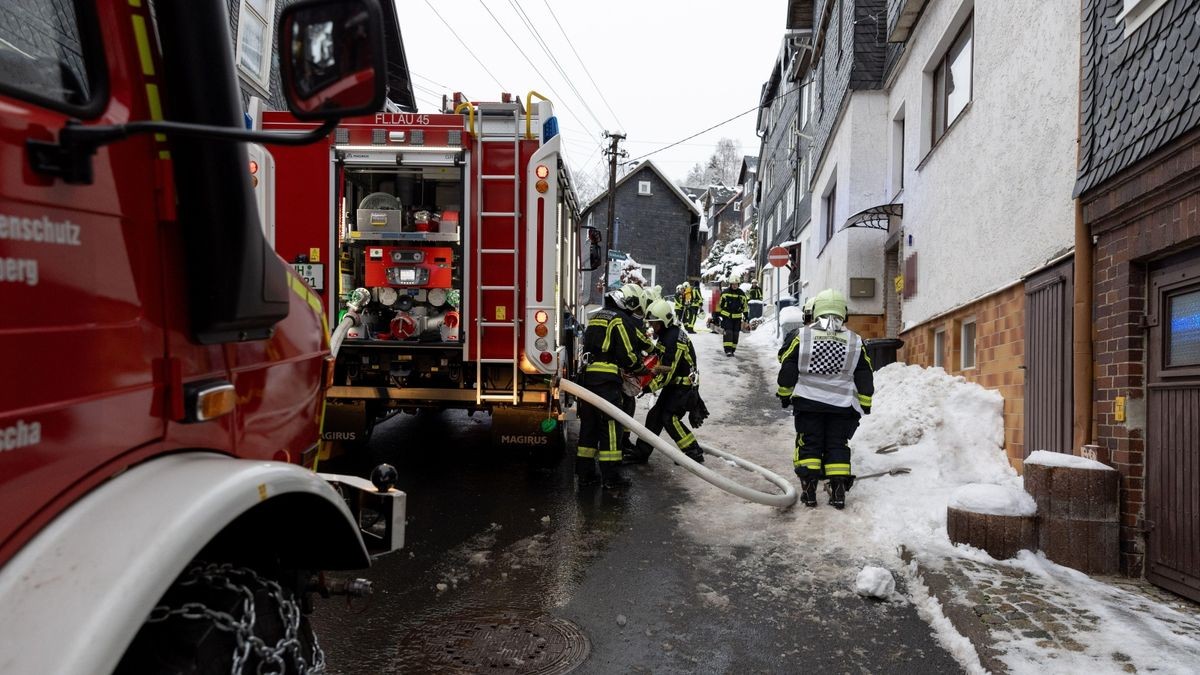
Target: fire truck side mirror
595, 255
332, 58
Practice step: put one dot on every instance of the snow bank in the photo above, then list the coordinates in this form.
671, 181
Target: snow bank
875, 582
995, 500
1046, 458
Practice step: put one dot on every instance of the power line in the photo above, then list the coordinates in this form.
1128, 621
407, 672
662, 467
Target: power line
571, 44
429, 80
553, 61
464, 44
527, 60
704, 131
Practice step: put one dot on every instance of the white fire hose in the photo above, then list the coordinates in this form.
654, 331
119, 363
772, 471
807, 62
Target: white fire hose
358, 299
781, 500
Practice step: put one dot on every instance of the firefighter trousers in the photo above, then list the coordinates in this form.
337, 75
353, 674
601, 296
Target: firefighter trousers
668, 413
598, 433
733, 328
823, 444
629, 407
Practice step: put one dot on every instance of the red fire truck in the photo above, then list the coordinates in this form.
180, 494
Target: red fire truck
162, 369
462, 232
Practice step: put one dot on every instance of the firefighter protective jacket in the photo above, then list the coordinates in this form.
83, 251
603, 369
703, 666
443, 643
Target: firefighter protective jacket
733, 303
677, 354
826, 372
755, 292
609, 343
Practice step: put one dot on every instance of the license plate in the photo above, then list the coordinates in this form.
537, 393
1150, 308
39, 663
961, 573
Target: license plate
312, 273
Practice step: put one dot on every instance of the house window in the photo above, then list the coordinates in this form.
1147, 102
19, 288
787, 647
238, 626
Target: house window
649, 272
939, 348
643, 187
791, 199
829, 210
1183, 329
737, 206
805, 102
1138, 12
952, 81
255, 19
968, 344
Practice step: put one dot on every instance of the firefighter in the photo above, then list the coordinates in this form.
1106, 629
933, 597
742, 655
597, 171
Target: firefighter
755, 291
825, 376
681, 300
732, 308
676, 377
694, 307
608, 348
634, 301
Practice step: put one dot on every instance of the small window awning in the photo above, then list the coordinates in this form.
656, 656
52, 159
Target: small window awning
876, 217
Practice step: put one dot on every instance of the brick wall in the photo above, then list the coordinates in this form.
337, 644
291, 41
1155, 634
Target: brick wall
999, 355
1144, 213
867, 325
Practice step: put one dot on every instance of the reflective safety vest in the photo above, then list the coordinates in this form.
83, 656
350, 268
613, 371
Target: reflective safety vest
826, 367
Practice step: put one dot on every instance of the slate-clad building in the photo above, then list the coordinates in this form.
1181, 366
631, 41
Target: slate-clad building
1139, 189
656, 223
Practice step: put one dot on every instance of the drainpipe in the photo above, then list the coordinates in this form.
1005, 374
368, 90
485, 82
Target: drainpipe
1082, 325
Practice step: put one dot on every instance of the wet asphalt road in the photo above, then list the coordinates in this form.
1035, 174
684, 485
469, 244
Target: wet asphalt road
487, 533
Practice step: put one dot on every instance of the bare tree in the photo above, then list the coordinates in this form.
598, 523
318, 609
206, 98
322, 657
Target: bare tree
590, 184
727, 161
695, 177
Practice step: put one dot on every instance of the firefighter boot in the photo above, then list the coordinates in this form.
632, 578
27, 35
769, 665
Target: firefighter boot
585, 471
638, 454
611, 477
808, 494
837, 492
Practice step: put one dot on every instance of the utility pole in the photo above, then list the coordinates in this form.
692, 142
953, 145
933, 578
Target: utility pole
613, 154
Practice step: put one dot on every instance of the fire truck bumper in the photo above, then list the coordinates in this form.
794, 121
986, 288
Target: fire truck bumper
379, 513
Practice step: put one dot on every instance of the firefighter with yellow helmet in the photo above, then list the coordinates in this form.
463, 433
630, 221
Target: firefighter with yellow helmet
826, 378
732, 307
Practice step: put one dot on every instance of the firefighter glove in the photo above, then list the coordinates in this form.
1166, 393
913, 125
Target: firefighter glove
785, 401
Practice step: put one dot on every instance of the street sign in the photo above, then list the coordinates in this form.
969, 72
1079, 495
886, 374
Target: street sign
778, 256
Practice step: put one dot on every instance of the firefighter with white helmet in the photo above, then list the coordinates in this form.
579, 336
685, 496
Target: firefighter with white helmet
608, 349
826, 378
676, 379
732, 308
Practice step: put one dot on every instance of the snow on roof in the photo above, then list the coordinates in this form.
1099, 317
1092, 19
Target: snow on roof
1060, 459
654, 167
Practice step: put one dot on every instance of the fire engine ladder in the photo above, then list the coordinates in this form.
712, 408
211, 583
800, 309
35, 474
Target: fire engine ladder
510, 321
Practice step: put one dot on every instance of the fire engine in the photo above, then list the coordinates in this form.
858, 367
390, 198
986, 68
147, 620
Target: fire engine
162, 371
449, 251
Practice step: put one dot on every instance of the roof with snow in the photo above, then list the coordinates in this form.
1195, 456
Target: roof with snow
649, 163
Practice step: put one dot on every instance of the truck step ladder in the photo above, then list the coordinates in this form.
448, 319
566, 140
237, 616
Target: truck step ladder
497, 257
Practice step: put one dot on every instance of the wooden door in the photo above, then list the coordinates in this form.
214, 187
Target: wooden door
1173, 425
1048, 304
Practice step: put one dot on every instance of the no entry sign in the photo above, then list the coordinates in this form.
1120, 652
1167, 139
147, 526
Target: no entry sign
778, 256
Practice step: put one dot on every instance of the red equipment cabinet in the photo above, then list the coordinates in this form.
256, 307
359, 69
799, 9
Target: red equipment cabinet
486, 189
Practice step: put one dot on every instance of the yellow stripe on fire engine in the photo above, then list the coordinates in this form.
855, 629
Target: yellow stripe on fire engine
155, 107
142, 36
300, 288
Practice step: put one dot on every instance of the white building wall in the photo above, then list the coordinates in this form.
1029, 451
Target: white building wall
855, 160
992, 201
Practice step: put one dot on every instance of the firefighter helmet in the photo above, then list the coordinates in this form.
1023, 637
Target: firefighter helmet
633, 298
829, 302
662, 311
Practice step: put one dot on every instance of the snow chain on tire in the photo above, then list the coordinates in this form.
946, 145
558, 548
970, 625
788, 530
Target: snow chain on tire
243, 582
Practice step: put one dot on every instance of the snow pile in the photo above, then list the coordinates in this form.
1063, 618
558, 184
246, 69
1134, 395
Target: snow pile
875, 582
995, 500
1045, 458
726, 259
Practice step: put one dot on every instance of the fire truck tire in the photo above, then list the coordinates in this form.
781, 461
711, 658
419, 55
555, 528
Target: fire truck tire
202, 625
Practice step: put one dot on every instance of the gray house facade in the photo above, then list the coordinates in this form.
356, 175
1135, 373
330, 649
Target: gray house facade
655, 223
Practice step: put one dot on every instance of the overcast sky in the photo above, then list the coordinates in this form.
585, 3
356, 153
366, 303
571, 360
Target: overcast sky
664, 69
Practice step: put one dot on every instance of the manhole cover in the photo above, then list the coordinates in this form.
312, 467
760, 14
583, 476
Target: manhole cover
495, 641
